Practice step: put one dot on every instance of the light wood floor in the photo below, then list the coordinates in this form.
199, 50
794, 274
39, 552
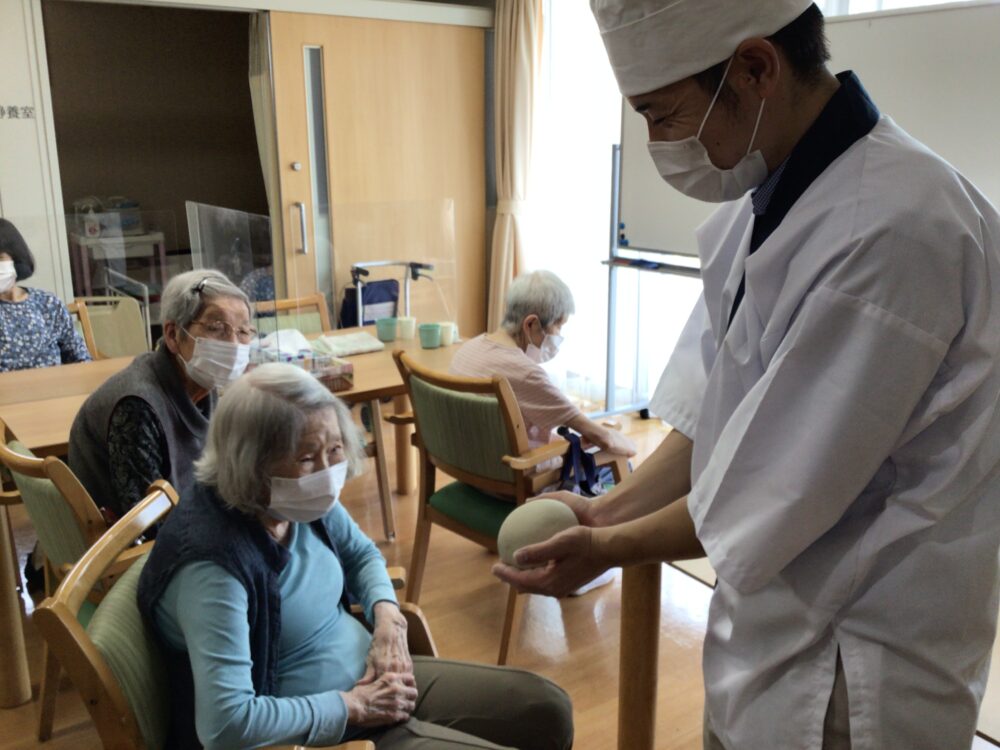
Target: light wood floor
573, 641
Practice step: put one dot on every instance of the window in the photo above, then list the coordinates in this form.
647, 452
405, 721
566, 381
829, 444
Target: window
848, 7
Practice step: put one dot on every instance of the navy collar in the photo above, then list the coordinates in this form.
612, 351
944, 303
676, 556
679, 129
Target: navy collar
848, 117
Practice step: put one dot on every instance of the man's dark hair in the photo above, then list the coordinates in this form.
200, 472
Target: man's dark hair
805, 46
12, 243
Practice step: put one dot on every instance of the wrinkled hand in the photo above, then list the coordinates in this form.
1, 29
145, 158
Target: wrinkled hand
389, 651
615, 442
566, 562
389, 699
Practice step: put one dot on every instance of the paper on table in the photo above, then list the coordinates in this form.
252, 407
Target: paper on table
347, 344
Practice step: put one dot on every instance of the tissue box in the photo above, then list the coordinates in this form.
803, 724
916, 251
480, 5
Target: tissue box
336, 374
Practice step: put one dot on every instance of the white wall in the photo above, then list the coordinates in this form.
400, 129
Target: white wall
30, 195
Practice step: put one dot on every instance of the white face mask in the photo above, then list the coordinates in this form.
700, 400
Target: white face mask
216, 364
686, 166
8, 276
306, 499
548, 349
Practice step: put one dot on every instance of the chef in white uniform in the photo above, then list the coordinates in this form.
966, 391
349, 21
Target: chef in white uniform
837, 442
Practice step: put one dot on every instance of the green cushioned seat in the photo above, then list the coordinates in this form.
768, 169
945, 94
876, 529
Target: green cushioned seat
466, 430
58, 531
467, 505
121, 636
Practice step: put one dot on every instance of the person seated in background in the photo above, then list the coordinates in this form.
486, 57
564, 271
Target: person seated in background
149, 421
35, 328
246, 591
537, 307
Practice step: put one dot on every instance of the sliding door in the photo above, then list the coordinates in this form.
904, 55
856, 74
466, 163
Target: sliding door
381, 152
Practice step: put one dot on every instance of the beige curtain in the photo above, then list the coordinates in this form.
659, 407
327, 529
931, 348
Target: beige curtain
262, 97
517, 56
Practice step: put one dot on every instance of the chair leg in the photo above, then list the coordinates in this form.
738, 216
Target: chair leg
421, 540
511, 624
48, 691
382, 471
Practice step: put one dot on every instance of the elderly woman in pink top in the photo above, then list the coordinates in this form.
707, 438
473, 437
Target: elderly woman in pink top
538, 305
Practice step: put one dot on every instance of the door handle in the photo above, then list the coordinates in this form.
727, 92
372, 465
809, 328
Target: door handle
302, 227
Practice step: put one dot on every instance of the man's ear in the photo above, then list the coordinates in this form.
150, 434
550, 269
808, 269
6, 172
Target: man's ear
757, 67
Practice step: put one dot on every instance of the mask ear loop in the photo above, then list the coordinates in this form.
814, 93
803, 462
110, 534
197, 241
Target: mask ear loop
756, 126
718, 91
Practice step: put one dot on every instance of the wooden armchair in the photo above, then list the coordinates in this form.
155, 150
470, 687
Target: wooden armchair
471, 429
67, 522
114, 661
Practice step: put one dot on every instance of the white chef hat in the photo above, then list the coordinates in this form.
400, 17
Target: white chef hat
653, 43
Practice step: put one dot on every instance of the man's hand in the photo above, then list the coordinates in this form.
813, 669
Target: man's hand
565, 562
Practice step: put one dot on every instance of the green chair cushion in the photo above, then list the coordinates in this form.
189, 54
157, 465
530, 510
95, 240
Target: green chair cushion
466, 430
58, 531
470, 507
121, 636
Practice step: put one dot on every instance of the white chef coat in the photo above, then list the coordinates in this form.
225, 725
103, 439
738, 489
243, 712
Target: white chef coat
846, 450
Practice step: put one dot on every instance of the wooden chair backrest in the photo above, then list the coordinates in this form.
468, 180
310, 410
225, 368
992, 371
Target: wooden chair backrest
78, 311
75, 505
467, 425
88, 666
297, 305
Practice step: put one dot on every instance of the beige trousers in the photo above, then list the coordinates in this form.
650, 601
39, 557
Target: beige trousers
462, 705
836, 725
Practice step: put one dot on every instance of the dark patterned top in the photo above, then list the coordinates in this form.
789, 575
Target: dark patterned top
137, 452
38, 332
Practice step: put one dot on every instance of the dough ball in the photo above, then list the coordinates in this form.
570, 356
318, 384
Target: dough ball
531, 523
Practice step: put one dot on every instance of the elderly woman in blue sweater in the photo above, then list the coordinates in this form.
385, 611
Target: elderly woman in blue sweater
246, 588
35, 327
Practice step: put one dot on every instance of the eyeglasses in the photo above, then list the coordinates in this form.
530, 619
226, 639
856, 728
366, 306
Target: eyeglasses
220, 329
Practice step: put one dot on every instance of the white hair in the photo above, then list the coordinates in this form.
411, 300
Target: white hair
186, 294
257, 424
540, 293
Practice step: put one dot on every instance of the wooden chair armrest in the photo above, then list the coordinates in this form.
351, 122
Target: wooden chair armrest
400, 419
536, 456
397, 574
126, 558
10, 497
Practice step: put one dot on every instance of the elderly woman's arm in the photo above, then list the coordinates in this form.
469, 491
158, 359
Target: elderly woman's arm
204, 611
71, 345
137, 453
367, 579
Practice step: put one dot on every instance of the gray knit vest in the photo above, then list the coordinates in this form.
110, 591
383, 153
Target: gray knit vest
155, 378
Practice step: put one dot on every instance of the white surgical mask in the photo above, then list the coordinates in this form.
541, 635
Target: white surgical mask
216, 364
548, 349
8, 276
306, 499
686, 166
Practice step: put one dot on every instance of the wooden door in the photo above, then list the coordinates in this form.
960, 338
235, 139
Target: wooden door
403, 119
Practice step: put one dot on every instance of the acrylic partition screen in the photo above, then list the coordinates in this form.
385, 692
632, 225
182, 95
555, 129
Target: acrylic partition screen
385, 240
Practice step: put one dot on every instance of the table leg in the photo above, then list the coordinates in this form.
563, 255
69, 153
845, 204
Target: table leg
640, 645
75, 253
382, 471
404, 451
15, 682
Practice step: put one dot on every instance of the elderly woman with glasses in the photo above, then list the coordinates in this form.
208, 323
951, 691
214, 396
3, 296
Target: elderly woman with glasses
149, 421
246, 590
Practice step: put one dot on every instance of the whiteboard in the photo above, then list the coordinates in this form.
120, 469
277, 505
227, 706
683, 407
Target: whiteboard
934, 70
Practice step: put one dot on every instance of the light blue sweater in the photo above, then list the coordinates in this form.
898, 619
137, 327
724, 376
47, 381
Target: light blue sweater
322, 648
